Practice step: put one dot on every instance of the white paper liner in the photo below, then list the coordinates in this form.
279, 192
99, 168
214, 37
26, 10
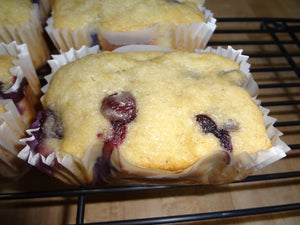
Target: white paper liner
197, 35
23, 64
30, 33
142, 48
44, 7
184, 37
12, 117
216, 168
23, 67
65, 58
12, 128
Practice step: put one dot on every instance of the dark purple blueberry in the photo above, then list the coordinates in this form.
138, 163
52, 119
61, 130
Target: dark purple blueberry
101, 172
119, 133
38, 144
225, 139
16, 95
38, 135
119, 107
52, 126
94, 40
102, 167
35, 1
209, 126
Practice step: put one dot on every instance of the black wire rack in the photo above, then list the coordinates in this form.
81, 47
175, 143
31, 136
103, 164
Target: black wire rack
262, 39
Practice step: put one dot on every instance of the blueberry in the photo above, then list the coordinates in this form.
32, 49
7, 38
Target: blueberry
35, 1
94, 40
225, 139
119, 107
18, 94
209, 126
52, 126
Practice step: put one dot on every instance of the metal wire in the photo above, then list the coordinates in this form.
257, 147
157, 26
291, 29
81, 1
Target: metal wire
82, 192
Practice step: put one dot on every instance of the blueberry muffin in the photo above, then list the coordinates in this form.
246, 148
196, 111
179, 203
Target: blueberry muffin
21, 21
111, 24
157, 110
17, 88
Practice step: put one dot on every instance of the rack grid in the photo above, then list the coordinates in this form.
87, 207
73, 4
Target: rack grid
262, 39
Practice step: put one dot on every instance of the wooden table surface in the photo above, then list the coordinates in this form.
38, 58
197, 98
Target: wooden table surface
200, 199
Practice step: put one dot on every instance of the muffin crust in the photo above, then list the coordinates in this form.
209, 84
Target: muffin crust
170, 91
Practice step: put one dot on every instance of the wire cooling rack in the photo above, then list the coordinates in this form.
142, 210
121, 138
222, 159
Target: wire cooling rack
274, 41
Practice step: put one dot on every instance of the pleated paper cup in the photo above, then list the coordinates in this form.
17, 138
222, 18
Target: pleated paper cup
69, 169
30, 33
12, 128
24, 63
92, 169
44, 8
25, 92
182, 36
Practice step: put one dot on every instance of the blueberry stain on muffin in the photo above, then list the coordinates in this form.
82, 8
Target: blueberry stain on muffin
150, 110
15, 95
208, 125
50, 126
119, 109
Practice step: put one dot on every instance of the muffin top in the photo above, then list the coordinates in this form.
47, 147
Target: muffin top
160, 110
6, 78
124, 15
15, 11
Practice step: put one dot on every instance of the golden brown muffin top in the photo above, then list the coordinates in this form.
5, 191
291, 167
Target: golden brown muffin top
15, 11
124, 15
6, 78
170, 90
